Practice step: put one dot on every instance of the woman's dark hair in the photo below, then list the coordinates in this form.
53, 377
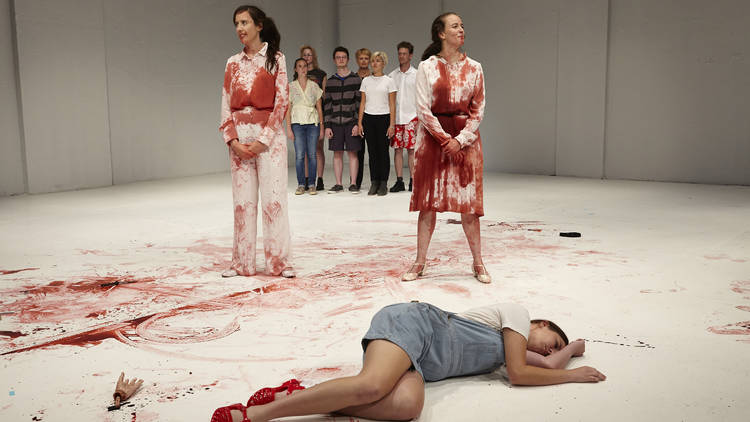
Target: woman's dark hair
295, 67
438, 26
268, 32
554, 327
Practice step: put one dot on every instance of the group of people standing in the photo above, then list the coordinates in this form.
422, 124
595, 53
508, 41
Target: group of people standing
433, 112
407, 344
355, 111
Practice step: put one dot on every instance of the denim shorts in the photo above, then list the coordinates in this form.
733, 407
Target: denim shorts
440, 344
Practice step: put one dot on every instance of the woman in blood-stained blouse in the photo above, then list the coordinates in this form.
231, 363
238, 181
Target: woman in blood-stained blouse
448, 155
253, 104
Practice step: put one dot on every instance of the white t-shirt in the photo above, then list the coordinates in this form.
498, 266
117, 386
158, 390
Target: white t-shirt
501, 315
406, 99
376, 89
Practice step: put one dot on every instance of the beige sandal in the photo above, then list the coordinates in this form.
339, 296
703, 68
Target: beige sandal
413, 274
481, 274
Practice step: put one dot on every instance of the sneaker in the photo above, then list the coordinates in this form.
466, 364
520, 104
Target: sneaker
320, 186
300, 190
383, 188
373, 188
313, 191
410, 184
354, 189
398, 186
336, 189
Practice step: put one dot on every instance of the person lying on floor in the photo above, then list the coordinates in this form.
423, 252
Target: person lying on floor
409, 344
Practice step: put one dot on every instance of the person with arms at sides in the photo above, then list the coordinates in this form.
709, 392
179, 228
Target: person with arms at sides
377, 114
340, 105
253, 105
405, 77
317, 75
363, 56
304, 121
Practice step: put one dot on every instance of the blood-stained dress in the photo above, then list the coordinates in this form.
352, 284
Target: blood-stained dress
253, 105
450, 104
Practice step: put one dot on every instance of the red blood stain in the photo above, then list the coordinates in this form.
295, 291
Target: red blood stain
272, 212
347, 308
454, 288
741, 287
4, 272
12, 334
441, 182
741, 328
86, 338
744, 308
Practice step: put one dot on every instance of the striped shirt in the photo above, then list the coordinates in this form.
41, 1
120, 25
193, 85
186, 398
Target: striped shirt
341, 99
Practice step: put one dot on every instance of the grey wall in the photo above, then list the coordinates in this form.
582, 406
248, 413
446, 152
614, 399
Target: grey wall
122, 91
678, 103
377, 26
11, 151
64, 94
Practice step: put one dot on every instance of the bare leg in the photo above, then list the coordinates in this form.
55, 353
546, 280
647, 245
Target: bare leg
321, 158
470, 223
398, 161
425, 227
338, 165
404, 402
384, 365
353, 167
410, 153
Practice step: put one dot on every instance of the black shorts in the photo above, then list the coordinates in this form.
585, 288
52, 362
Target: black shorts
343, 140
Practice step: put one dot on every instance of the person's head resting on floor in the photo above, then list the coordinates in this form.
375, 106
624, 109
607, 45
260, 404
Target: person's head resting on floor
545, 337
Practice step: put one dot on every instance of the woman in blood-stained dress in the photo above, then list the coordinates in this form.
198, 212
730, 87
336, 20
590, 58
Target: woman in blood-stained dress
448, 157
253, 104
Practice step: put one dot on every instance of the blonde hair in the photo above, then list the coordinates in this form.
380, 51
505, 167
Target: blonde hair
314, 54
362, 51
380, 54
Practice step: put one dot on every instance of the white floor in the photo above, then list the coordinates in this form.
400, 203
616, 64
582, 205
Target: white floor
659, 283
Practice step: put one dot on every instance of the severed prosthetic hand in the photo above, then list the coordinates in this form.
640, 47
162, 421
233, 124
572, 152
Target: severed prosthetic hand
125, 389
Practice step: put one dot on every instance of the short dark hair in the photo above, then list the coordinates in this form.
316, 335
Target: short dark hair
407, 45
554, 327
340, 48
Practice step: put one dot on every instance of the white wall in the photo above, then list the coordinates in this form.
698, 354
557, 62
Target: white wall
678, 104
64, 94
381, 25
119, 91
165, 67
11, 151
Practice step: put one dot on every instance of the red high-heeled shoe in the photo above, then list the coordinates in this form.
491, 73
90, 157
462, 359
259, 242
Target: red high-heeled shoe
223, 414
267, 395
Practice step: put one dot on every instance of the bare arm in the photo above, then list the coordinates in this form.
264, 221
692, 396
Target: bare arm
288, 118
392, 109
361, 113
522, 373
319, 107
556, 360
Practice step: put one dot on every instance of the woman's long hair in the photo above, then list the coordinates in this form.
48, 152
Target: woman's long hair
314, 54
268, 33
295, 67
438, 26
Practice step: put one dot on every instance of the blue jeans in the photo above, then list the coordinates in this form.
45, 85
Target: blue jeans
305, 144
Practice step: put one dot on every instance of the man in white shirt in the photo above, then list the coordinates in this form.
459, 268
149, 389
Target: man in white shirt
405, 135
